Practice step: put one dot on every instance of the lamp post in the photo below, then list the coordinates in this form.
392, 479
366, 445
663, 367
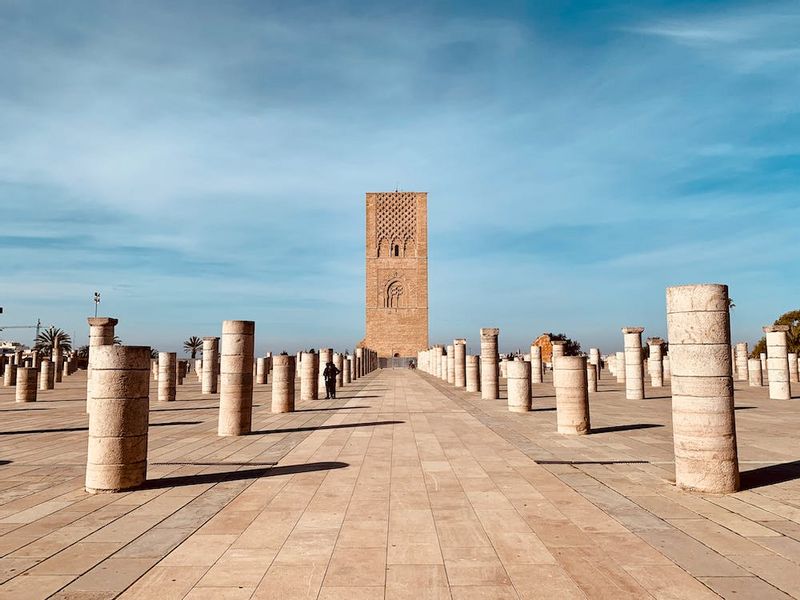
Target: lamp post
96, 302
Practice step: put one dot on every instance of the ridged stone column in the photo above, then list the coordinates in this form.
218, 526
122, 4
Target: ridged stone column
591, 377
473, 373
167, 376
451, 364
518, 374
283, 376
793, 374
347, 371
572, 395
762, 357
559, 350
778, 362
594, 360
261, 370
10, 375
619, 365
236, 378
210, 365
741, 361
655, 366
537, 370
309, 386
47, 379
703, 421
754, 372
26, 384
490, 386
460, 363
338, 362
438, 351
634, 369
117, 455
57, 362
101, 333
359, 363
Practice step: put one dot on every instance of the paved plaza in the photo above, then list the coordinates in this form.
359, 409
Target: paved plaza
404, 487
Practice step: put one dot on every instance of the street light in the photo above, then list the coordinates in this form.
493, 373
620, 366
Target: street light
96, 302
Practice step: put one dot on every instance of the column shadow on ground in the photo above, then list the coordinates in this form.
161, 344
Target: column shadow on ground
201, 478
70, 429
615, 428
332, 408
323, 427
770, 475
21, 409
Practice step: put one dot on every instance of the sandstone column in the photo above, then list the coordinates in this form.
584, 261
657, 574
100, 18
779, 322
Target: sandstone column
198, 370
754, 372
359, 363
309, 386
591, 377
210, 366
572, 395
490, 385
180, 371
518, 373
594, 360
26, 384
46, 375
262, 370
473, 373
778, 362
667, 368
57, 362
793, 374
117, 456
460, 363
655, 366
619, 365
451, 364
634, 370
347, 371
167, 376
559, 350
283, 377
537, 372
101, 333
741, 361
762, 357
10, 375
236, 378
325, 356
338, 362
437, 361
703, 421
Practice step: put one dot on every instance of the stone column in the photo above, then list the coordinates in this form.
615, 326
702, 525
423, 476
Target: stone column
667, 369
594, 360
762, 357
778, 362
436, 359
117, 455
619, 365
66, 367
325, 356
537, 372
793, 374
518, 374
167, 376
473, 373
703, 421
18, 358
359, 362
236, 378
451, 364
101, 333
572, 395
347, 371
754, 372
180, 371
10, 375
198, 369
591, 377
309, 387
261, 370
26, 384
283, 377
46, 375
57, 362
655, 366
338, 362
210, 366
634, 370
490, 386
460, 363
741, 361
559, 350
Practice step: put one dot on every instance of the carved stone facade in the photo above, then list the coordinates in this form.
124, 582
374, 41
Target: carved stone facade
397, 273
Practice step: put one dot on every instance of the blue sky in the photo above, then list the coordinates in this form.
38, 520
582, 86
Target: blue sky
199, 161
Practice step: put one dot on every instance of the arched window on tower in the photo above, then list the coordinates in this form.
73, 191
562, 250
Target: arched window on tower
397, 250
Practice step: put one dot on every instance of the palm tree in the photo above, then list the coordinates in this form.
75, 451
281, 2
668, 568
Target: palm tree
193, 345
117, 341
153, 353
46, 340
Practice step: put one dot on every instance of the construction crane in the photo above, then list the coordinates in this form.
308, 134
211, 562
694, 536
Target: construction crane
37, 327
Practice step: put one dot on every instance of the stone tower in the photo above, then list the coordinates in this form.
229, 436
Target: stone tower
397, 273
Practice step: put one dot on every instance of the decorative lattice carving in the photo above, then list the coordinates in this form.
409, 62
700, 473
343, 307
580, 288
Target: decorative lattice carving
396, 223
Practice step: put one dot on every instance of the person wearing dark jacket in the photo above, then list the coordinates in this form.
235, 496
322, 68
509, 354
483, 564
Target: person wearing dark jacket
329, 374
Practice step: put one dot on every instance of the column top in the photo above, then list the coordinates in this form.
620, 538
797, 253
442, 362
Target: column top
632, 329
490, 331
99, 321
655, 341
211, 338
774, 328
459, 341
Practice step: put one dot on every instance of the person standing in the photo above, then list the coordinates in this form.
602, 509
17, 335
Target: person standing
329, 374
